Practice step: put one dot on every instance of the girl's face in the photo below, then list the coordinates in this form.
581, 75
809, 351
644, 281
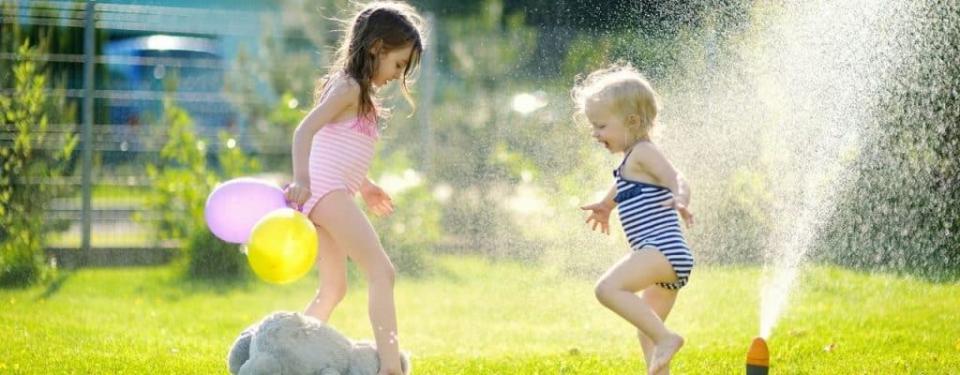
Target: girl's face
608, 128
391, 65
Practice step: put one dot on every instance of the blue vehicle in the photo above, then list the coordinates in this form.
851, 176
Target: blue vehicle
144, 69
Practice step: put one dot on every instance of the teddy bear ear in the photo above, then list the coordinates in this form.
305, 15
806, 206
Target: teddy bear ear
240, 352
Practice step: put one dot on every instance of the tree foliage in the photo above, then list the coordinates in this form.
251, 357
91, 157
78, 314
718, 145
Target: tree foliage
31, 156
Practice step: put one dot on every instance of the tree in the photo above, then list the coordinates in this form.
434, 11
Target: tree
182, 183
903, 213
31, 157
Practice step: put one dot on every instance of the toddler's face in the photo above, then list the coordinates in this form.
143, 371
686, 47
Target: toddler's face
608, 128
391, 65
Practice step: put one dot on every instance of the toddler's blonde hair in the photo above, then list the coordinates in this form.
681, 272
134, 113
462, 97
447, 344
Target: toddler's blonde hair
625, 90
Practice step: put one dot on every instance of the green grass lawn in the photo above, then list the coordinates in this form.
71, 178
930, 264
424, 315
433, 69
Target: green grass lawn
476, 317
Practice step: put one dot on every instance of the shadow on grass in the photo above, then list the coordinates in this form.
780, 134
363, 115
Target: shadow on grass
54, 285
218, 284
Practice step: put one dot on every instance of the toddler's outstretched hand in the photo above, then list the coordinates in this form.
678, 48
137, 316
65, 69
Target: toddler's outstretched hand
599, 215
681, 208
296, 195
377, 199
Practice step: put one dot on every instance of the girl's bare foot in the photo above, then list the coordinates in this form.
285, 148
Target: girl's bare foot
385, 371
390, 365
663, 352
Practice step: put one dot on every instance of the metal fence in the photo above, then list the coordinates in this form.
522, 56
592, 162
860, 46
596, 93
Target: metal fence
118, 80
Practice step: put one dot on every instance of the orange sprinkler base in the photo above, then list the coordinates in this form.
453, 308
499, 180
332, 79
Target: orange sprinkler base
758, 357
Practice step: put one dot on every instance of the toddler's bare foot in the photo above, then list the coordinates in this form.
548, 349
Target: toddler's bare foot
663, 352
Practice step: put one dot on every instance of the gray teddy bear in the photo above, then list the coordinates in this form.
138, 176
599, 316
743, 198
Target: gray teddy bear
292, 344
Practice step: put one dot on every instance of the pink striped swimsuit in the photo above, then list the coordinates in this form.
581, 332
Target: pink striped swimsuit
340, 157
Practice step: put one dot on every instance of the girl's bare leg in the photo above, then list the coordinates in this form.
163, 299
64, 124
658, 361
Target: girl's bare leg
617, 291
332, 265
661, 301
350, 229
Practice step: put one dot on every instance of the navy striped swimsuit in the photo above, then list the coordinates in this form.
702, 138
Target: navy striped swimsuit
647, 222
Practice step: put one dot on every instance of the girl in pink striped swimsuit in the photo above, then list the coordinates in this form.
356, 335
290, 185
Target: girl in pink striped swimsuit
339, 158
332, 150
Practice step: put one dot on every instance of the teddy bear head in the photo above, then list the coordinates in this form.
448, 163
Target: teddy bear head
292, 343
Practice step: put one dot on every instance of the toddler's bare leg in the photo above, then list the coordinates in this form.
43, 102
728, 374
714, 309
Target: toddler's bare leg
617, 291
661, 301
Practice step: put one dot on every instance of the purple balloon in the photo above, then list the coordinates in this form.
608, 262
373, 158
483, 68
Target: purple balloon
235, 206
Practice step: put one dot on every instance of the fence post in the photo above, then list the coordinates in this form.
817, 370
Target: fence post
88, 67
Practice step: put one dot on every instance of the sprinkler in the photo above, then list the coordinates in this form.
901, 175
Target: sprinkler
758, 357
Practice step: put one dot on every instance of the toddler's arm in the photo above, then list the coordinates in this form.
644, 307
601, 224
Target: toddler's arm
608, 200
600, 211
652, 160
683, 189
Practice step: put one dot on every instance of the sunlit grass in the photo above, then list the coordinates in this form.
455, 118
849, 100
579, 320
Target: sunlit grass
475, 317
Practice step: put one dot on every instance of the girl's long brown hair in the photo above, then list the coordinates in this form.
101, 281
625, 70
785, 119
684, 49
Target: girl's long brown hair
394, 25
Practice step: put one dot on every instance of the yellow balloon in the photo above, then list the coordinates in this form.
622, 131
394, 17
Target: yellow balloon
282, 246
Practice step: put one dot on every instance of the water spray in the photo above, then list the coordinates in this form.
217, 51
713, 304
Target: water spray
758, 357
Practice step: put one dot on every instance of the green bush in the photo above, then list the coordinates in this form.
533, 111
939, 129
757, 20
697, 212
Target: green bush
29, 159
411, 231
740, 222
211, 258
21, 256
901, 213
414, 228
182, 183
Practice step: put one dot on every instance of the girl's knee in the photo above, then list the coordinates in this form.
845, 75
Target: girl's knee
383, 274
605, 289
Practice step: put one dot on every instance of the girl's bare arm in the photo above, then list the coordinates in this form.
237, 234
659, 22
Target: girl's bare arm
342, 96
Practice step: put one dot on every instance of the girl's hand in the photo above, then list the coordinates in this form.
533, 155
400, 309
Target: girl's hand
600, 215
296, 195
681, 208
377, 199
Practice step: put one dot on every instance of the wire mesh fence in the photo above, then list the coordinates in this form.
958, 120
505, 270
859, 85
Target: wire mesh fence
142, 55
